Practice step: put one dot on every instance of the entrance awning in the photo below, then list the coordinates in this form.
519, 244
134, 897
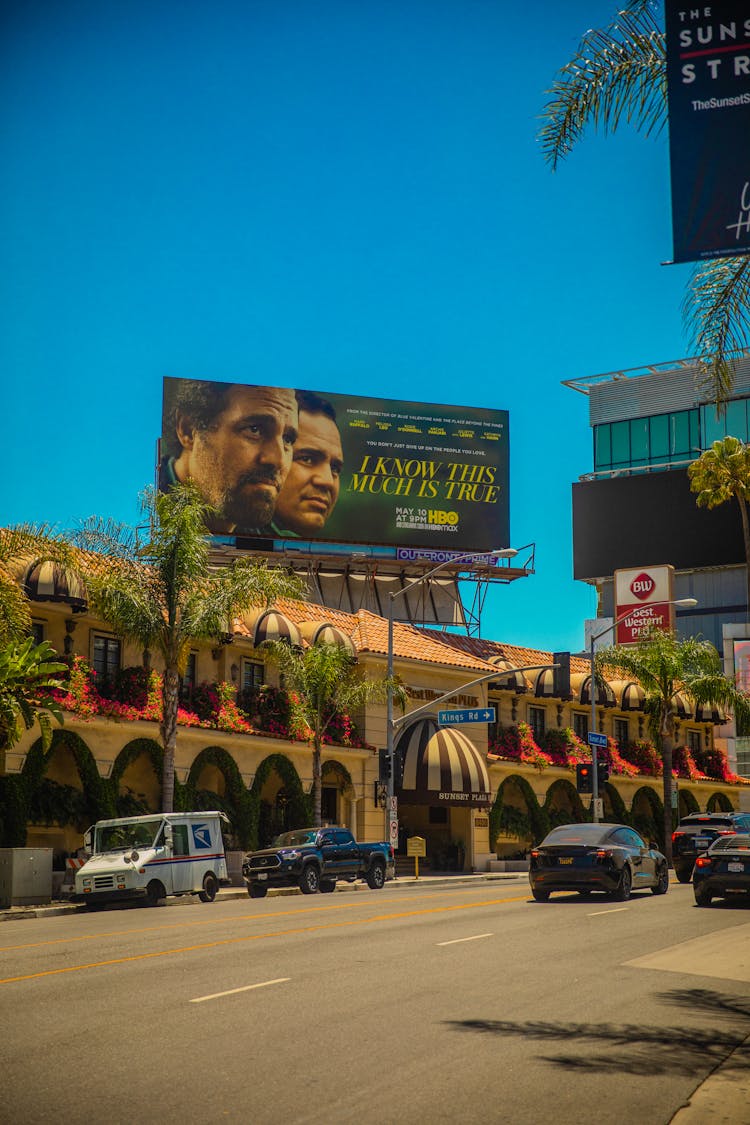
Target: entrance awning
441, 766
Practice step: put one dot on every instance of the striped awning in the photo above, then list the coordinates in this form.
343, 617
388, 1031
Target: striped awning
513, 681
441, 766
708, 713
629, 695
274, 626
682, 706
323, 633
605, 697
49, 582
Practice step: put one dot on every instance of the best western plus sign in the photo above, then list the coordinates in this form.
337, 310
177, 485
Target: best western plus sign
642, 599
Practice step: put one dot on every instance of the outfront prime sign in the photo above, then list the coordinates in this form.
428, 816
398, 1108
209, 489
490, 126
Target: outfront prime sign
708, 94
643, 599
285, 464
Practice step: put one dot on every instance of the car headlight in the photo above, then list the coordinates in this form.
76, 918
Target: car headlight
291, 855
87, 882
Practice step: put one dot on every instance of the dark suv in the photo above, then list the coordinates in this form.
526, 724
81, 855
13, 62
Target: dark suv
695, 833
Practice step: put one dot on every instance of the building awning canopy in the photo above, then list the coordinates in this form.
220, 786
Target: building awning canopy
512, 681
49, 582
682, 706
271, 626
630, 696
324, 633
441, 766
709, 713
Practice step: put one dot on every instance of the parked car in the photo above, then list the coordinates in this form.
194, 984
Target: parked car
695, 834
596, 857
724, 870
313, 859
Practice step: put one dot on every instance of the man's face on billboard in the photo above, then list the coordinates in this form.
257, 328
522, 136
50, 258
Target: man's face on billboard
241, 461
311, 488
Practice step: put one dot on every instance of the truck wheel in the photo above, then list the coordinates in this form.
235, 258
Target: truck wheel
376, 877
155, 893
309, 880
684, 874
327, 886
210, 887
256, 891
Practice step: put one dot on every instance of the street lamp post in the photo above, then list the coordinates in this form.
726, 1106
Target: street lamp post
503, 553
683, 603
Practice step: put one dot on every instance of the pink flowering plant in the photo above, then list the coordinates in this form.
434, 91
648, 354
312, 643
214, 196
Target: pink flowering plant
517, 744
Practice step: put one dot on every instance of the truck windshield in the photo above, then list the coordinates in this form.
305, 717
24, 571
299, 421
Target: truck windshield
294, 839
118, 837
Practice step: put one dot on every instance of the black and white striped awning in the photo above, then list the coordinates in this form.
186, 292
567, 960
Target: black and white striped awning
274, 626
441, 766
323, 633
49, 582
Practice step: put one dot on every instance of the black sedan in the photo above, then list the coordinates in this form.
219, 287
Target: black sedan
596, 857
724, 870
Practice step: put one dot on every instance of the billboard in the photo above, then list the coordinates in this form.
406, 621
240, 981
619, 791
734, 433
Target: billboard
708, 97
296, 464
643, 600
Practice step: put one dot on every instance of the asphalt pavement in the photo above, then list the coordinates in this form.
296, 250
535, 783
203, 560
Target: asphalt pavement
723, 1099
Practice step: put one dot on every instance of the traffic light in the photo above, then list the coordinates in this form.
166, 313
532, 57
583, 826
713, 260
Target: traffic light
561, 676
384, 765
602, 769
584, 777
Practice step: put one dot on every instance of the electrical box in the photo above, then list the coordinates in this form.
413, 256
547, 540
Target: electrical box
25, 876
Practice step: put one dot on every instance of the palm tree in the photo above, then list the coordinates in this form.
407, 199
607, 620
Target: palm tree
165, 596
27, 671
28, 675
722, 473
618, 75
665, 666
323, 681
20, 546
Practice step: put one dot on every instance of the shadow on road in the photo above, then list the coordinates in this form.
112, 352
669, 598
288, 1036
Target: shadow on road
641, 1049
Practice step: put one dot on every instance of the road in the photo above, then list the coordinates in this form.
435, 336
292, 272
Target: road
465, 1003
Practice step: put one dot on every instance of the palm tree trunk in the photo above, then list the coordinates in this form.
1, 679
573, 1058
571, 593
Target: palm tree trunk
170, 702
667, 744
317, 785
746, 537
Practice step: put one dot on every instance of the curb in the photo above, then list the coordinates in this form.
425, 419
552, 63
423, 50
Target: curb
19, 913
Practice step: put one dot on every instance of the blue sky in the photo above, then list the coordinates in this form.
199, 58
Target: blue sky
334, 195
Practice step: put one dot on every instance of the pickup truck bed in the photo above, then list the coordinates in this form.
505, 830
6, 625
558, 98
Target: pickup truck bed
313, 859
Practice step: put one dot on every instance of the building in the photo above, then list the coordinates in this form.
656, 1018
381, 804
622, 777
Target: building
636, 508
476, 793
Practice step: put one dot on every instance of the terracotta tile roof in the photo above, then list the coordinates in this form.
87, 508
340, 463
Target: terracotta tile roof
516, 655
369, 633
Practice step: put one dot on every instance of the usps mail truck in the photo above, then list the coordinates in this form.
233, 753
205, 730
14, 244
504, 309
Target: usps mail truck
153, 856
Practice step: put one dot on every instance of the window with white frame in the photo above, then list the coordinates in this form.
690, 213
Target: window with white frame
694, 740
253, 675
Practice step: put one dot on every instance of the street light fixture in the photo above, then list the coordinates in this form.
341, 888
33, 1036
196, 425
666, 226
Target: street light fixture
682, 603
502, 553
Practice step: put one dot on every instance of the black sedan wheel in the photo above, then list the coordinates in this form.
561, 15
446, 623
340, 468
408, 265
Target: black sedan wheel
622, 894
702, 896
540, 896
684, 874
662, 882
309, 880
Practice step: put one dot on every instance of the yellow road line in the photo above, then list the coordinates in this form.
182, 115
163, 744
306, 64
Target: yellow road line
212, 921
252, 937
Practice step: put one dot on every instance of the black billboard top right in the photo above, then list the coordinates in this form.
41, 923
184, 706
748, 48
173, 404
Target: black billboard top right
708, 84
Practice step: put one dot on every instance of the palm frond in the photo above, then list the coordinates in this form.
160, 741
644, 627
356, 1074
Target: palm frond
618, 73
716, 309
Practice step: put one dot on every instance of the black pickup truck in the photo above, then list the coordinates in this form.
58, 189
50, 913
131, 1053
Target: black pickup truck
313, 859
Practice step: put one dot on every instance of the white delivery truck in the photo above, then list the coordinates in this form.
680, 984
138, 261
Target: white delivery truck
151, 857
